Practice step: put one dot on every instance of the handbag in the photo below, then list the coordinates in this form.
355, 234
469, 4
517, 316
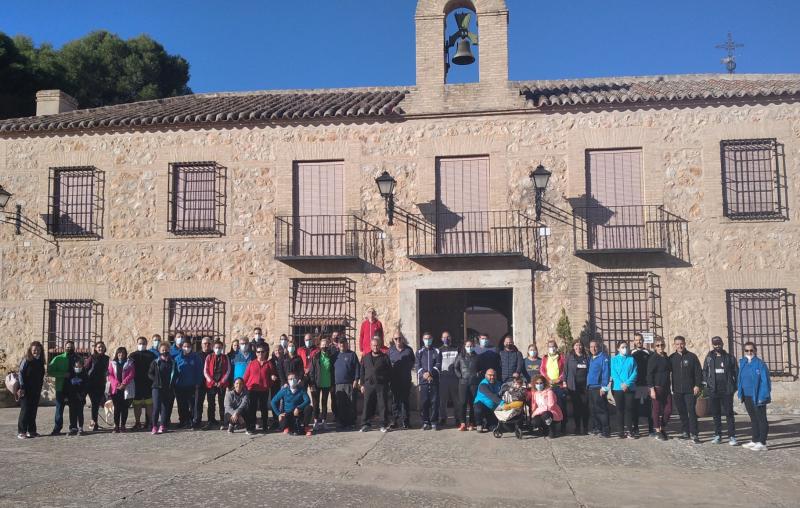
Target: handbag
12, 383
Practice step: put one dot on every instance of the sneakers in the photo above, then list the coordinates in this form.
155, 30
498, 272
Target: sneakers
435, 426
661, 437
426, 426
696, 439
154, 430
251, 433
116, 429
95, 427
759, 447
684, 436
230, 428
162, 429
22, 436
653, 433
631, 435
732, 441
462, 427
472, 427
286, 430
56, 432
73, 432
384, 429
364, 428
749, 445
716, 440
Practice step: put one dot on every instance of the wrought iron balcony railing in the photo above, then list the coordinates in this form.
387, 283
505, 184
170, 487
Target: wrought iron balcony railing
326, 237
630, 228
467, 234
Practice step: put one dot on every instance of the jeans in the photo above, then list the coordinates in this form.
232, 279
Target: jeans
598, 402
625, 402
662, 407
61, 402
28, 408
215, 397
580, 409
121, 405
429, 402
258, 401
345, 397
758, 420
466, 396
320, 395
376, 396
722, 404
401, 410
160, 410
485, 416
448, 392
685, 402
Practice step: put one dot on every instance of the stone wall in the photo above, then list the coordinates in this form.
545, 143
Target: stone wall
138, 263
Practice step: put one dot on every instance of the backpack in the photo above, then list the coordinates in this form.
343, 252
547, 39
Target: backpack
12, 383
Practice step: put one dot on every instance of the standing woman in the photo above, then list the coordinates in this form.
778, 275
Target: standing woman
31, 380
121, 373
231, 355
659, 379
623, 386
162, 378
755, 392
97, 371
577, 369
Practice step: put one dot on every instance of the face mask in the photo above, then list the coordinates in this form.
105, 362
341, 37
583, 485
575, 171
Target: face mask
70, 351
539, 387
284, 342
446, 341
218, 350
156, 344
246, 348
256, 337
623, 351
292, 383
532, 354
186, 350
484, 342
468, 349
308, 344
291, 349
552, 350
164, 356
427, 342
179, 341
749, 357
140, 347
77, 370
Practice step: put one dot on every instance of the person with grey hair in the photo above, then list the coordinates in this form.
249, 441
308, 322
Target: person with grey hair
402, 359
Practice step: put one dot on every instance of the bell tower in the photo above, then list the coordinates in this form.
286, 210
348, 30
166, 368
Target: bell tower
492, 20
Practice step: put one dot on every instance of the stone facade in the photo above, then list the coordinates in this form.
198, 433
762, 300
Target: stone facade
138, 263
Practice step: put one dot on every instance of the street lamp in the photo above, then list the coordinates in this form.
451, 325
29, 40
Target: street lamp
386, 186
4, 197
540, 177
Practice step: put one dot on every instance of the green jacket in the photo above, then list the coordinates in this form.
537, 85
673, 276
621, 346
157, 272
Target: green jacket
58, 369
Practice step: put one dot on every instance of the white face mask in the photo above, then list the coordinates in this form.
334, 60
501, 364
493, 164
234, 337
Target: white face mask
218, 350
292, 383
468, 349
309, 344
532, 354
256, 337
140, 347
623, 351
156, 343
749, 357
186, 350
484, 342
284, 342
552, 350
291, 349
179, 341
77, 370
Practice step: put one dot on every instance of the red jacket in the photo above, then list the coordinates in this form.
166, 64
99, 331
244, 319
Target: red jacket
208, 370
258, 377
562, 369
307, 355
369, 330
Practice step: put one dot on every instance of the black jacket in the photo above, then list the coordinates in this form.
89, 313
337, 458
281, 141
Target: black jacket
641, 357
162, 373
659, 369
731, 373
289, 365
97, 369
577, 371
511, 362
402, 365
428, 360
466, 369
315, 370
375, 369
686, 372
31, 376
141, 365
76, 385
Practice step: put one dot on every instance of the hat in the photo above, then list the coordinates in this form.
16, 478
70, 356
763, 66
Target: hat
717, 341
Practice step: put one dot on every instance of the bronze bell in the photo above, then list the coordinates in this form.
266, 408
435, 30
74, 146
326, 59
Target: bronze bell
463, 54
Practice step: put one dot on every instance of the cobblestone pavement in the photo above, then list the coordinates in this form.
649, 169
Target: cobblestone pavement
402, 468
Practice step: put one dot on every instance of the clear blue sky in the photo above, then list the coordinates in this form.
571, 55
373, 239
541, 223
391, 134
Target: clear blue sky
254, 45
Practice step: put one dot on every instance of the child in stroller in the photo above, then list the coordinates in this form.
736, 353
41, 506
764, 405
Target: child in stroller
510, 413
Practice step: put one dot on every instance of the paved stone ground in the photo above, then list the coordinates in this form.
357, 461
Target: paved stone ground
402, 468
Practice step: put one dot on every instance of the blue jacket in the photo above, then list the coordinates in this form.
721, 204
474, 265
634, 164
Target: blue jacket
346, 368
754, 381
623, 372
175, 351
240, 361
189, 370
429, 360
599, 371
488, 394
291, 401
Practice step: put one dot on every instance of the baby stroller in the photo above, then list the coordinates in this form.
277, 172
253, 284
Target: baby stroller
512, 414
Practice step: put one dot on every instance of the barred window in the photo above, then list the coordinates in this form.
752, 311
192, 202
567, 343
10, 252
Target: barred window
766, 317
76, 202
80, 321
197, 198
323, 306
195, 318
621, 304
753, 179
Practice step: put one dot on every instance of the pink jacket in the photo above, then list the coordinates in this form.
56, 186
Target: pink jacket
545, 401
127, 375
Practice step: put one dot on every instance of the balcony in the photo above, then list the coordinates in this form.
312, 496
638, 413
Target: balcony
326, 237
508, 233
642, 229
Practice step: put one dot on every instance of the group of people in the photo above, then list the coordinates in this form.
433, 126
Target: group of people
296, 382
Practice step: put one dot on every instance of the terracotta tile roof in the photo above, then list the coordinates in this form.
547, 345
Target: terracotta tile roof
649, 89
224, 107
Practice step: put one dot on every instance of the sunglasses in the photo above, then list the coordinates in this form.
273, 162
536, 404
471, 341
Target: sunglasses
659, 345
749, 350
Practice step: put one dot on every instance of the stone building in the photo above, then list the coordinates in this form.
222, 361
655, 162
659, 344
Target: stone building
672, 209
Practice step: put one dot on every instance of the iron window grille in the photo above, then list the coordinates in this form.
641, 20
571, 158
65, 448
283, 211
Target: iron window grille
621, 304
80, 321
323, 306
75, 205
195, 318
754, 179
197, 198
768, 318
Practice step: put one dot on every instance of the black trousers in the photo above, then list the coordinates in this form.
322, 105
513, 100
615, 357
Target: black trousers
161, 412
244, 414
376, 396
758, 420
216, 398
540, 424
485, 416
643, 407
625, 402
76, 403
598, 403
345, 397
580, 409
28, 408
320, 395
685, 402
429, 402
185, 396
722, 404
258, 401
466, 396
401, 409
121, 405
297, 424
169, 403
199, 400
97, 397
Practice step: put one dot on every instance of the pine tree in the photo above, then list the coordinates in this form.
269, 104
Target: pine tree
564, 332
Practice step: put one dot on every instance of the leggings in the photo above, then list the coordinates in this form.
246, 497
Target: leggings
97, 397
316, 395
466, 397
121, 405
625, 402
